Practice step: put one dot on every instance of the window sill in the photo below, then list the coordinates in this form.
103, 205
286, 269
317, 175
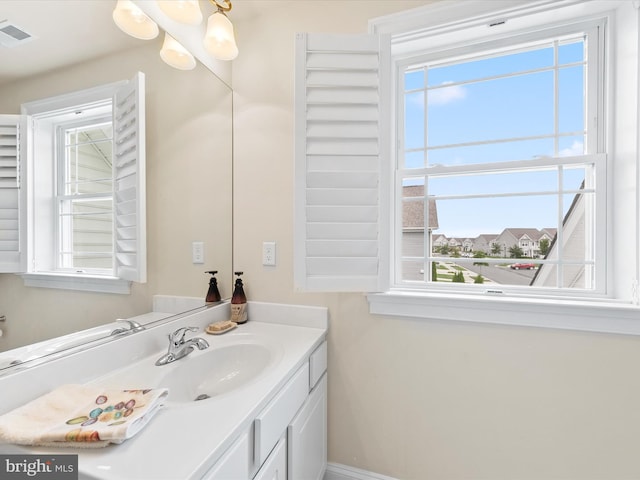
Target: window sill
601, 316
85, 283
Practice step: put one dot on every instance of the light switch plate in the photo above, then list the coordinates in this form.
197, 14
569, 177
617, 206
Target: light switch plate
269, 253
197, 252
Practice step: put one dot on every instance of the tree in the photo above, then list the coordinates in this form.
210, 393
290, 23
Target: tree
434, 271
458, 277
544, 247
444, 249
478, 279
516, 252
480, 254
496, 249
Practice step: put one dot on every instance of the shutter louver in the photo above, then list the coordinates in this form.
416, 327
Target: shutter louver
129, 181
342, 123
13, 238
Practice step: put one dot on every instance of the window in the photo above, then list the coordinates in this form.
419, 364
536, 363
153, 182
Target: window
373, 211
83, 197
504, 139
81, 165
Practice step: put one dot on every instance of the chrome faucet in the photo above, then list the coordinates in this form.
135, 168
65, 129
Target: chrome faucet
179, 347
133, 327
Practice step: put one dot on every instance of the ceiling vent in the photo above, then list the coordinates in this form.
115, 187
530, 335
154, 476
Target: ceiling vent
12, 35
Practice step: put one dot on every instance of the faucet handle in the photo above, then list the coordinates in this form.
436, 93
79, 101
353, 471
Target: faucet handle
178, 335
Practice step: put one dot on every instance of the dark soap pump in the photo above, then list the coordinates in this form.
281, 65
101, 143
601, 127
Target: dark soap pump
239, 302
213, 294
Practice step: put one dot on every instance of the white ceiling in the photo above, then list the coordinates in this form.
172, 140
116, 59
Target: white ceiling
67, 31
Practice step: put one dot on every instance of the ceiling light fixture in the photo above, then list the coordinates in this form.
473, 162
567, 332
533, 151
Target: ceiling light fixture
183, 11
219, 40
133, 21
174, 54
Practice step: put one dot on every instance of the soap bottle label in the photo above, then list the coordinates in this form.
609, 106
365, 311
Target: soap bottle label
239, 312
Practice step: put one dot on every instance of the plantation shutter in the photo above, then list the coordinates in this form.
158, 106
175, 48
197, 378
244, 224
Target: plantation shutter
341, 147
129, 181
13, 211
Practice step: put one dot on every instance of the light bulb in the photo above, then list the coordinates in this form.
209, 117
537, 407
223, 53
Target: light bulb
174, 54
219, 40
183, 11
133, 21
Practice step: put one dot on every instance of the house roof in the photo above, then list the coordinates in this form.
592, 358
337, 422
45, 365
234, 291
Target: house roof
413, 212
532, 233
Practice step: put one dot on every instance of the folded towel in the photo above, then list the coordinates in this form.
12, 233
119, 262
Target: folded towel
81, 416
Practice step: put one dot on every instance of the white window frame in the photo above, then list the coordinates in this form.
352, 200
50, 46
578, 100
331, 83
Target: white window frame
129, 261
596, 157
618, 311
64, 232
444, 24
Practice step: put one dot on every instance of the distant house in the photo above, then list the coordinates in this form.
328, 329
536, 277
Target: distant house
528, 239
413, 230
439, 240
484, 243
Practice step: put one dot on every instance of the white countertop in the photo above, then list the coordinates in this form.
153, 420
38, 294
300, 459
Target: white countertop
183, 441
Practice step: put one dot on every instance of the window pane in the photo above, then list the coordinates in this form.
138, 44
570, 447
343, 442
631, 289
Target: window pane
476, 216
492, 152
87, 165
571, 52
571, 145
413, 80
89, 168
489, 67
414, 120
499, 109
495, 183
414, 159
87, 233
573, 177
571, 99
526, 227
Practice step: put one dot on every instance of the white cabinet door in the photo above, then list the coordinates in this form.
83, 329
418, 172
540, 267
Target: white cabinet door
275, 467
307, 437
234, 463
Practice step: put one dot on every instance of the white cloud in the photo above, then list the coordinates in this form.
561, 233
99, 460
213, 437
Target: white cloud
576, 148
445, 95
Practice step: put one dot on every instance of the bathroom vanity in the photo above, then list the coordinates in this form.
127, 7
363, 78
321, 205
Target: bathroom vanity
250, 406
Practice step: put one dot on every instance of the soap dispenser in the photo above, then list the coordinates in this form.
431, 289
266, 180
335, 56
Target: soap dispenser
213, 294
239, 302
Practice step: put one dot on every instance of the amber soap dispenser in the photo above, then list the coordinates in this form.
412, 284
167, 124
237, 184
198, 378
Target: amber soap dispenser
213, 294
239, 302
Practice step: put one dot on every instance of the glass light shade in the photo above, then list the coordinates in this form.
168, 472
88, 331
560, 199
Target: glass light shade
174, 54
183, 11
133, 21
219, 40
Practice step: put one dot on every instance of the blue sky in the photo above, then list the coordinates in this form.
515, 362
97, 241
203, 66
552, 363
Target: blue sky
497, 109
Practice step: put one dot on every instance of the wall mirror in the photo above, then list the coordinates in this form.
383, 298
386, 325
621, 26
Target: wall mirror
77, 46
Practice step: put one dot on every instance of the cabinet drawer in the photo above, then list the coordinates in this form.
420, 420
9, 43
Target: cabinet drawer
317, 364
275, 468
271, 423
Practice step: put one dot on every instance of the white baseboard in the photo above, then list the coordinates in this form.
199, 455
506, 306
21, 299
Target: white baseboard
336, 471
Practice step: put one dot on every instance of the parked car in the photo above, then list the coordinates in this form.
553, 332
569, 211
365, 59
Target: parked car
523, 266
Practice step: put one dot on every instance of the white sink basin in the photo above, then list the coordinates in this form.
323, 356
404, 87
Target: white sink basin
215, 371
226, 365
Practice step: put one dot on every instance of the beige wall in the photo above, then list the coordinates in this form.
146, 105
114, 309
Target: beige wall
420, 399
188, 194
